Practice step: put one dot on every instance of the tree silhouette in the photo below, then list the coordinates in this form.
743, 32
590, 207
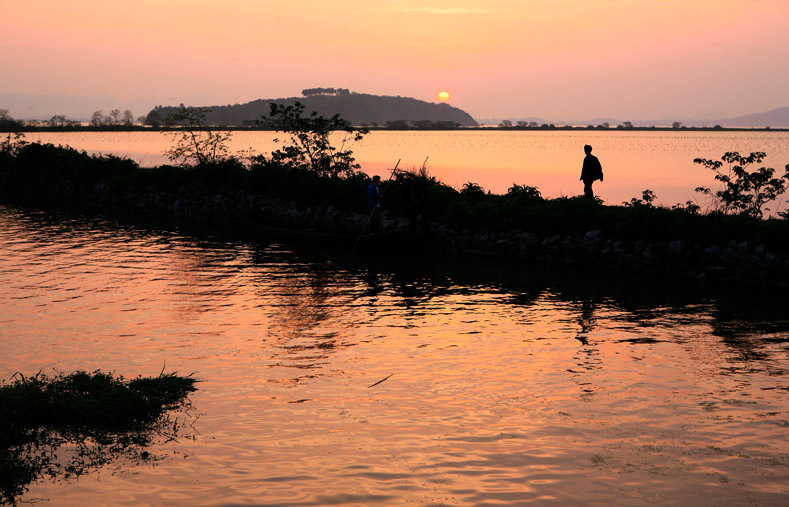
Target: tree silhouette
196, 145
745, 192
115, 116
311, 145
97, 119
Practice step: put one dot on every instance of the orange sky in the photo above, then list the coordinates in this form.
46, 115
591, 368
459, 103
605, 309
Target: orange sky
557, 59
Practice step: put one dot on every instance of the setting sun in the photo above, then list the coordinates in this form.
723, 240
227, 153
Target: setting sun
443, 97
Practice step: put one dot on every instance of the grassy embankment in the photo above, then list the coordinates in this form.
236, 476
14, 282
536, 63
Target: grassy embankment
66, 425
58, 176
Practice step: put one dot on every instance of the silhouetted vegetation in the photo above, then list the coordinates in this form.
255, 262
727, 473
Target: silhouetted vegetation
115, 118
745, 192
422, 125
309, 92
50, 174
66, 425
195, 144
309, 141
7, 123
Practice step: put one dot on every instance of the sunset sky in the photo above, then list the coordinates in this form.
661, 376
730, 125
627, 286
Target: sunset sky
556, 59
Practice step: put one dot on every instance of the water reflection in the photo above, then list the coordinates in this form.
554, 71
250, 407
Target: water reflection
503, 380
301, 296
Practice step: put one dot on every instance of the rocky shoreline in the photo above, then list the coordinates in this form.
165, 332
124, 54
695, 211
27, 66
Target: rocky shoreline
728, 261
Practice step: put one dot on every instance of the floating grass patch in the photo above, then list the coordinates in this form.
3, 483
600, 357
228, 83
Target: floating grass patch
66, 425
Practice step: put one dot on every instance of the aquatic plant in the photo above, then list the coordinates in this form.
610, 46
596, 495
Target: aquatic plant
66, 425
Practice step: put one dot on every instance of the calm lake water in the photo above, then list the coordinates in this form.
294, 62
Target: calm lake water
549, 160
505, 384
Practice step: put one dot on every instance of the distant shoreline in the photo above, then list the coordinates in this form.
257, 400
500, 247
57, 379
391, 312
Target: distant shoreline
141, 128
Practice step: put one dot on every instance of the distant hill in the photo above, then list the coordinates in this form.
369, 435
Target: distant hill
774, 118
357, 108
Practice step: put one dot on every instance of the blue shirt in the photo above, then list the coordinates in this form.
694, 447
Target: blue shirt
372, 196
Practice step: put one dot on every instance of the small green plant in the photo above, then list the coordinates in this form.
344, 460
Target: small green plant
743, 192
310, 140
195, 143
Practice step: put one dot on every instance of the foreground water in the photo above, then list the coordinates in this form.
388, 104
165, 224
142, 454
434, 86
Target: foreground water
504, 384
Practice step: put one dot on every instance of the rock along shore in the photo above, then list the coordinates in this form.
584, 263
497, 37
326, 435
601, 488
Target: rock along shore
728, 261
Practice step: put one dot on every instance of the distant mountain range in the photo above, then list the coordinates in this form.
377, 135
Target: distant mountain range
364, 109
775, 118
357, 108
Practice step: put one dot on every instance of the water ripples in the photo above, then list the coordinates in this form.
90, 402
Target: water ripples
329, 380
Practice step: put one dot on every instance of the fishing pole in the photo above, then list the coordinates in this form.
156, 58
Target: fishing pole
367, 222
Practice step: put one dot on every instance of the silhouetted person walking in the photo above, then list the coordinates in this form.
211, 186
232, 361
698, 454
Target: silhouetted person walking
592, 170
